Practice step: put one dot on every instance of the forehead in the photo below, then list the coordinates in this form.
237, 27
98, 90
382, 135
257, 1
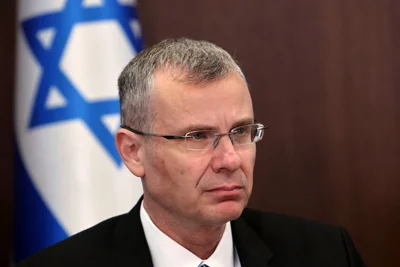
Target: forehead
219, 103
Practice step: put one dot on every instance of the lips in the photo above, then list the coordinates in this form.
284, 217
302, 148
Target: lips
226, 188
226, 191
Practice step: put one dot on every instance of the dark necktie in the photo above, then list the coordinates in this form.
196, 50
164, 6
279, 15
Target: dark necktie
203, 265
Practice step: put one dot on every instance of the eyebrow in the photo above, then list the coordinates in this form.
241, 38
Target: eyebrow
244, 121
196, 127
199, 127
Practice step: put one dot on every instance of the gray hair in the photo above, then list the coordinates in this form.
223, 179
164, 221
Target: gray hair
197, 62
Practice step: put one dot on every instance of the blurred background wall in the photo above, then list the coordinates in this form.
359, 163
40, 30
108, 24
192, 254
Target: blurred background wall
324, 77
7, 48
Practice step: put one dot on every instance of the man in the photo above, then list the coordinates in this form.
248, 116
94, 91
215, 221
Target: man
188, 131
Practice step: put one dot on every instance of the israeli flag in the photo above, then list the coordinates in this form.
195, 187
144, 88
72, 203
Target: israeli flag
68, 173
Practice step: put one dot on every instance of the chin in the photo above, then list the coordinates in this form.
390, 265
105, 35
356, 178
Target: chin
227, 211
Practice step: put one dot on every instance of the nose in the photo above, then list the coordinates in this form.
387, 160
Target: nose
225, 158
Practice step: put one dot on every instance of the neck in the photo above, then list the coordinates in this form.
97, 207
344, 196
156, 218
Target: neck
199, 239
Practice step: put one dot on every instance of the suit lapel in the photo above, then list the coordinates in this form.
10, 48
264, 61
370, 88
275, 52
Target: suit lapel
130, 247
252, 251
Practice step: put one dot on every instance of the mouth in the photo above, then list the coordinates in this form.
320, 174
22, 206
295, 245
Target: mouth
226, 191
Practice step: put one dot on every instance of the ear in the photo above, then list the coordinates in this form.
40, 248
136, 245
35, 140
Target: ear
130, 148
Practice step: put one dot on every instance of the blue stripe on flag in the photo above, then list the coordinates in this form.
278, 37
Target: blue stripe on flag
35, 227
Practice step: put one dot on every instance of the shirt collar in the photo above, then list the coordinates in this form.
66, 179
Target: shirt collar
166, 252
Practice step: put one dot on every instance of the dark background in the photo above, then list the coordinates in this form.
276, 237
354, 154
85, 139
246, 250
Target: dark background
324, 76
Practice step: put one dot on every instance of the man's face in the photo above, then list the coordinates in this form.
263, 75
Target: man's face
203, 187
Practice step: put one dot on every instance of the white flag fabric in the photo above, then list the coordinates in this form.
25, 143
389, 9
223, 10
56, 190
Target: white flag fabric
68, 174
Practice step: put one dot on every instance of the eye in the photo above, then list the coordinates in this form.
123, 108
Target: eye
240, 130
201, 135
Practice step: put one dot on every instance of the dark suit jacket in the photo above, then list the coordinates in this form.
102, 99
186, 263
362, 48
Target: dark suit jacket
261, 239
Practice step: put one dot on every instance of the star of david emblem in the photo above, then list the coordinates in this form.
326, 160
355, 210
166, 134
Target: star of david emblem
76, 107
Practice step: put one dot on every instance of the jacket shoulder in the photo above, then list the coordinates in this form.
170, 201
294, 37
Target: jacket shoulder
263, 221
278, 228
290, 237
91, 247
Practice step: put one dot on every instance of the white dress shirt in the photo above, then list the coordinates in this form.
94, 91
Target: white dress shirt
165, 252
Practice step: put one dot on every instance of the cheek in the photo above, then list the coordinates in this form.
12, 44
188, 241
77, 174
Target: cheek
157, 160
191, 165
248, 158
